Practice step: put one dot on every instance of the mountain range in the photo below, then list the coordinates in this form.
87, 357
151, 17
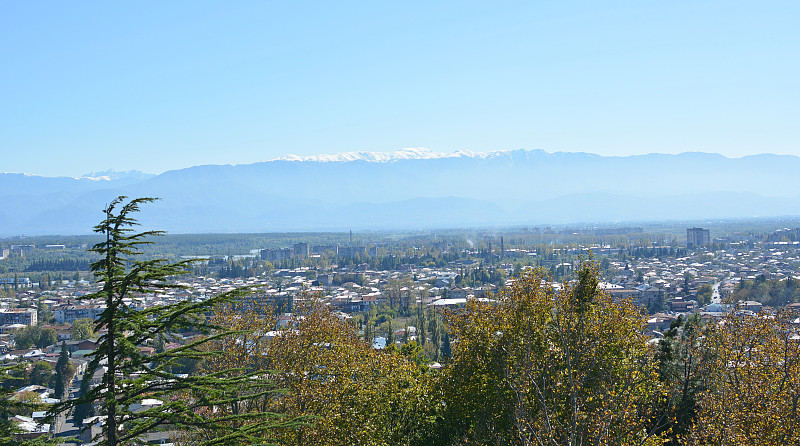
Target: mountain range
413, 189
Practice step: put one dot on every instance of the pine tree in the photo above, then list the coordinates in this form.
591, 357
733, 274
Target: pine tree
130, 375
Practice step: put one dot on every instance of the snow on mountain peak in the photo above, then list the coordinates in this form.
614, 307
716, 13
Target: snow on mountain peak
385, 157
110, 175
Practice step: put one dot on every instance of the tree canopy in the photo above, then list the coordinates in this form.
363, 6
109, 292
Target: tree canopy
547, 365
130, 374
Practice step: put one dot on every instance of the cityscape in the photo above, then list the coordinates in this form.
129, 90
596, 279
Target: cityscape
400, 223
393, 290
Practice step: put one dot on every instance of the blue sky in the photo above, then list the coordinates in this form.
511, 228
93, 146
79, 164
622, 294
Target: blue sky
154, 86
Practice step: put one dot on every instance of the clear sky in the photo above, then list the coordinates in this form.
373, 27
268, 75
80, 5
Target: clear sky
153, 86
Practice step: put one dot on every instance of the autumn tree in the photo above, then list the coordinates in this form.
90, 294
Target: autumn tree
541, 365
754, 395
236, 355
345, 391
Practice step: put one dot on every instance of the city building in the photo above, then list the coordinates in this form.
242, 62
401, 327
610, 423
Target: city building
16, 281
301, 250
276, 255
697, 237
70, 313
25, 316
351, 251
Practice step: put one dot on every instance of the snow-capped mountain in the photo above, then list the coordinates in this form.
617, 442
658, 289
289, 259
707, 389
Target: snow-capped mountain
414, 188
109, 175
386, 157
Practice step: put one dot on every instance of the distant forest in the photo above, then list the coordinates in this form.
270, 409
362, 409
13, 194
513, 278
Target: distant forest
59, 265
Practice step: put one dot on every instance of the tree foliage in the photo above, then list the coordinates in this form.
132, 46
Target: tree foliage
547, 366
345, 391
9, 431
82, 329
683, 362
754, 394
64, 372
35, 336
704, 294
771, 292
130, 374
539, 363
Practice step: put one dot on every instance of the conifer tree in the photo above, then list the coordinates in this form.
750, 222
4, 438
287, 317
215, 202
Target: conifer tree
84, 408
63, 371
131, 376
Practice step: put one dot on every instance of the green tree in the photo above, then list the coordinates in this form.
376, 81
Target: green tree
704, 294
26, 337
43, 313
64, 372
161, 344
683, 364
41, 374
687, 277
82, 329
389, 328
446, 349
7, 407
35, 336
11, 406
47, 336
130, 375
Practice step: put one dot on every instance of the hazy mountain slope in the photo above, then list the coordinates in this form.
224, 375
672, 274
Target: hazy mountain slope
411, 189
25, 184
505, 175
602, 207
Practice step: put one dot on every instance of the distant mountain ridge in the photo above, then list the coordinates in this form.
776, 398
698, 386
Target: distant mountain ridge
109, 175
414, 188
385, 157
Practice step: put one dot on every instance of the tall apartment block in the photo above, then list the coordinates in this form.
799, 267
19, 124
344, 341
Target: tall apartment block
697, 237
